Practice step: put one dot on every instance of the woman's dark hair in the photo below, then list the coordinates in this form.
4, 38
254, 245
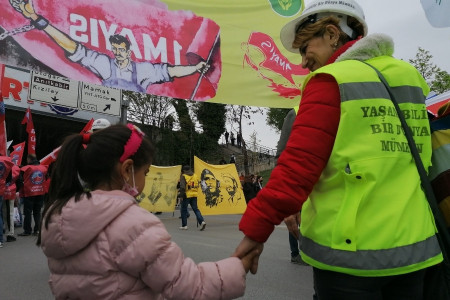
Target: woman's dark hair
94, 164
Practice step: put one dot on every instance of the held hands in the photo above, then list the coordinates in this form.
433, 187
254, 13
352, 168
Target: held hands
249, 251
24, 7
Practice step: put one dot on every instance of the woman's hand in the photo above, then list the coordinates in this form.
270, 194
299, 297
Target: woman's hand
249, 251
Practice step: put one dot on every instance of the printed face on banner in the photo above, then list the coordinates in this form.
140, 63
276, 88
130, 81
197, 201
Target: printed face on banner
220, 190
125, 44
160, 192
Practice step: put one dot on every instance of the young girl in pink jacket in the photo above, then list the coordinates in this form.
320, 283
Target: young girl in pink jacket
101, 245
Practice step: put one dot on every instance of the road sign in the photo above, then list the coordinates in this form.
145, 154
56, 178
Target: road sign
53, 89
100, 99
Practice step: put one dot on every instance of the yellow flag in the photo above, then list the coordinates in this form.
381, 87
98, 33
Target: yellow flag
220, 190
160, 192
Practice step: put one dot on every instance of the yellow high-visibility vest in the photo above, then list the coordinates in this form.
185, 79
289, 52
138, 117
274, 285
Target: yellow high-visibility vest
367, 215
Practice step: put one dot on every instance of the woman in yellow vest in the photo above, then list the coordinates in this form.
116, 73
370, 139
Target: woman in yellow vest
366, 228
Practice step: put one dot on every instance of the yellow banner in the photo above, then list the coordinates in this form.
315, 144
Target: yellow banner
256, 69
160, 192
220, 190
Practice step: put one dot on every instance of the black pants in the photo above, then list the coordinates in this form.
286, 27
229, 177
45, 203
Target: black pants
338, 286
32, 206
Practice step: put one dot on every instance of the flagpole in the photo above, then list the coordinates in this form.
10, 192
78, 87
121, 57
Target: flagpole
207, 61
4, 146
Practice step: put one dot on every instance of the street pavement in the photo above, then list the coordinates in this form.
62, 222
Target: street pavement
24, 272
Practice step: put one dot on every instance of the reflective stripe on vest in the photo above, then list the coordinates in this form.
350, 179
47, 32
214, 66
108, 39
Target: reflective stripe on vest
370, 259
367, 214
372, 90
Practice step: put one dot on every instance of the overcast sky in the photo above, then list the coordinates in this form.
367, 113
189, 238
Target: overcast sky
406, 23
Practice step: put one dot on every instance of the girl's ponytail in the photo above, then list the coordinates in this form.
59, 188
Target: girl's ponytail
64, 182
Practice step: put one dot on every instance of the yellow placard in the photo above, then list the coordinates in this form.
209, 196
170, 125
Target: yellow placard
220, 190
160, 192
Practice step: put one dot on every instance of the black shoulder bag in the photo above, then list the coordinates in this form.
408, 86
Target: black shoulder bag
437, 278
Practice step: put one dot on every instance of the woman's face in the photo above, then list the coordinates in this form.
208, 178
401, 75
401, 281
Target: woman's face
315, 52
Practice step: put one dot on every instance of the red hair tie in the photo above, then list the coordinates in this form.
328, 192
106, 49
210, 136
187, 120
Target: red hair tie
86, 138
133, 143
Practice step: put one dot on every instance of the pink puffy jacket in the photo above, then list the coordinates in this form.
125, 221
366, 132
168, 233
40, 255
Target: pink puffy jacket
107, 247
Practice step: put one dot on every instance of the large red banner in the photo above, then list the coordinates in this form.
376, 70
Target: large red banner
124, 44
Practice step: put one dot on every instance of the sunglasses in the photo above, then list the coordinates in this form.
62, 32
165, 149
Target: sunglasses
310, 20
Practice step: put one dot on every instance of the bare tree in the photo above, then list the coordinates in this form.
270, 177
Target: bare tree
237, 115
147, 109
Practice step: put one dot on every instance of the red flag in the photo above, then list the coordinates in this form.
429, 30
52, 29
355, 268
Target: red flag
51, 157
17, 153
88, 126
31, 133
2, 115
47, 160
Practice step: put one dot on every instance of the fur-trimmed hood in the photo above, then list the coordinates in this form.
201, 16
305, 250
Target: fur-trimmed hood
369, 47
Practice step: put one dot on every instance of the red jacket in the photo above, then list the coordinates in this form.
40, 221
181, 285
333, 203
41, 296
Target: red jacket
302, 161
5, 169
34, 180
10, 188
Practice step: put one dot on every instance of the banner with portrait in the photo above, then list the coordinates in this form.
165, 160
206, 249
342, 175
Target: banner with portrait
220, 190
218, 51
160, 192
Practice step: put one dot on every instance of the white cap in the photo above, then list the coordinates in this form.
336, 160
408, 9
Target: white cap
100, 124
322, 8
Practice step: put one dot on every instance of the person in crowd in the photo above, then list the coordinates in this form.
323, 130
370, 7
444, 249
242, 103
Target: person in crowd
6, 165
232, 138
292, 222
258, 184
32, 181
189, 185
226, 137
100, 124
294, 244
239, 139
222, 161
232, 159
179, 200
364, 236
94, 229
10, 198
249, 188
242, 178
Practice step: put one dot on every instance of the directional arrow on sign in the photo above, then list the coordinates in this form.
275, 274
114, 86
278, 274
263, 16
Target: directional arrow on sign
108, 106
54, 98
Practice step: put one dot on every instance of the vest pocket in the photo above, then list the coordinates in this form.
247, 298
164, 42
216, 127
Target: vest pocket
344, 234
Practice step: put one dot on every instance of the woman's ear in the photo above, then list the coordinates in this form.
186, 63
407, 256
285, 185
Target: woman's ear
126, 169
332, 33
